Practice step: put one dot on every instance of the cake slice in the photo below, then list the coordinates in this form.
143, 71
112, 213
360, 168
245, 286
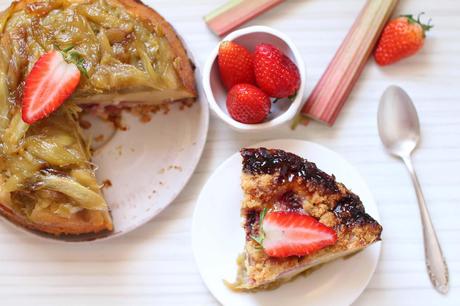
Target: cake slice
131, 58
295, 217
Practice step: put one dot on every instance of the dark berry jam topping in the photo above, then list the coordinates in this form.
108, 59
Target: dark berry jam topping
288, 165
252, 218
289, 201
350, 211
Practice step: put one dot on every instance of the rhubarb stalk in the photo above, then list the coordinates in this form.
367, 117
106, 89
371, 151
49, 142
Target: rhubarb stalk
235, 13
334, 87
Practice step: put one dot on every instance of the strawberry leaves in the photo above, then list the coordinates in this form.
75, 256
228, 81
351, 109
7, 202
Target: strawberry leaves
425, 26
73, 56
260, 238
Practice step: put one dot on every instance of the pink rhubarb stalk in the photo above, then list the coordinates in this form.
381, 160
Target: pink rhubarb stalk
235, 13
334, 87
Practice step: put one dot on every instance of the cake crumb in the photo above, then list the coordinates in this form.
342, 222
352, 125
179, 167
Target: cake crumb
186, 103
114, 113
106, 183
119, 149
99, 138
145, 112
84, 124
175, 167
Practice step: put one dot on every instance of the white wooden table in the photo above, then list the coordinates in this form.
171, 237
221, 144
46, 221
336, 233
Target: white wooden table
154, 265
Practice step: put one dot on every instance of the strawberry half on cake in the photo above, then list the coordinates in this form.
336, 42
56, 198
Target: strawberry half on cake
295, 217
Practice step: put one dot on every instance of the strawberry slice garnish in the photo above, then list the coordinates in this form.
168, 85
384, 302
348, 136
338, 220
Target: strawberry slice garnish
53, 78
284, 234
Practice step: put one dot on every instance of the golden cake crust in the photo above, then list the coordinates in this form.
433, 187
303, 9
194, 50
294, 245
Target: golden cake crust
93, 222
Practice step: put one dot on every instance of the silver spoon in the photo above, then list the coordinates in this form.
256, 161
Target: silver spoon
399, 131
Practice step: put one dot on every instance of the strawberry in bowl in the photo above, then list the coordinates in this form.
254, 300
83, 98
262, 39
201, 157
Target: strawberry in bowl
248, 104
269, 69
254, 79
236, 64
275, 73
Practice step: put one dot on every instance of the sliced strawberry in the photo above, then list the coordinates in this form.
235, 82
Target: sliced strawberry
294, 234
50, 82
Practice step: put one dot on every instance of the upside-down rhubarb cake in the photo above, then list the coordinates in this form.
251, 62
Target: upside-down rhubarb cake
128, 55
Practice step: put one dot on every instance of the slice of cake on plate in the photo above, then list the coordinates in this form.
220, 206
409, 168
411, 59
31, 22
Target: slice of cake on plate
129, 57
295, 217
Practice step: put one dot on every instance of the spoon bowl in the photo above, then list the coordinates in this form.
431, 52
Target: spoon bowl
398, 123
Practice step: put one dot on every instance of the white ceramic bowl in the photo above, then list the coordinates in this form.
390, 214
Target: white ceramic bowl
216, 93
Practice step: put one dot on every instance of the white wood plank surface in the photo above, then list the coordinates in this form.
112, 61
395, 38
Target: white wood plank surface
154, 264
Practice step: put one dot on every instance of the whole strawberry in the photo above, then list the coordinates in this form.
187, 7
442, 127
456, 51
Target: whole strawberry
248, 104
401, 37
275, 73
235, 64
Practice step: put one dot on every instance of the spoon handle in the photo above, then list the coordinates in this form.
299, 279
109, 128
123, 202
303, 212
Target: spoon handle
434, 259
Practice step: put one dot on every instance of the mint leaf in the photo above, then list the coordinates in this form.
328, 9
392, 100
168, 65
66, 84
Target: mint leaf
260, 239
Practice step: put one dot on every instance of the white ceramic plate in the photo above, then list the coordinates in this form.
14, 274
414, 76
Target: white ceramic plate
217, 237
149, 164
